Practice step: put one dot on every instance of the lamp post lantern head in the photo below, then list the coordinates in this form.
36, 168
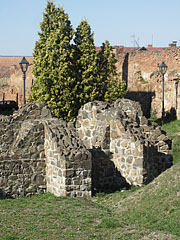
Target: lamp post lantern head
163, 68
24, 64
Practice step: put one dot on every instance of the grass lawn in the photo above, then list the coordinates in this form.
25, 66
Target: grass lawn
173, 131
49, 217
148, 213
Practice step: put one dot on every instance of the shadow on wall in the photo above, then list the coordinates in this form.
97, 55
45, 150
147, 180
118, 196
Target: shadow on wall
144, 98
155, 162
171, 115
105, 176
4, 195
125, 69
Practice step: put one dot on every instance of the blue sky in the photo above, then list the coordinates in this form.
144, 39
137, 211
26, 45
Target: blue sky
119, 21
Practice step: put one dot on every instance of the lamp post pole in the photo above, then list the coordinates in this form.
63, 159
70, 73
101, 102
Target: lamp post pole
24, 66
163, 69
163, 112
24, 94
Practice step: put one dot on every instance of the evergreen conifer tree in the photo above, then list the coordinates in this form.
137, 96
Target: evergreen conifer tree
68, 76
88, 84
53, 63
113, 86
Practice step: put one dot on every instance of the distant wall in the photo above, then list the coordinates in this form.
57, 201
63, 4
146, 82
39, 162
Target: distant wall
138, 68
144, 82
11, 83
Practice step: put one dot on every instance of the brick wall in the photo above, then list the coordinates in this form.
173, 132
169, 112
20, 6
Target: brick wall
140, 70
11, 83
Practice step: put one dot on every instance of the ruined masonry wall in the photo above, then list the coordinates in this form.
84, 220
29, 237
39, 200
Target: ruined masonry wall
127, 153
145, 157
40, 153
22, 161
22, 177
125, 135
110, 147
93, 127
68, 163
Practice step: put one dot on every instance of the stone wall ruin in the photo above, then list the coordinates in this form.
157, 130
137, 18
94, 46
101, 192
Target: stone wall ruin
139, 149
110, 146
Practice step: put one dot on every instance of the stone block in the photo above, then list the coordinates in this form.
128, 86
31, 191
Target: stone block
138, 162
165, 147
162, 137
70, 173
129, 159
124, 143
13, 177
114, 134
87, 164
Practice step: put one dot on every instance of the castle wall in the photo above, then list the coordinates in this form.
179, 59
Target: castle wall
22, 177
11, 82
93, 127
138, 68
110, 147
141, 150
144, 82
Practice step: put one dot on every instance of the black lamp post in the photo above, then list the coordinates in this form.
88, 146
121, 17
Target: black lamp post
163, 69
24, 66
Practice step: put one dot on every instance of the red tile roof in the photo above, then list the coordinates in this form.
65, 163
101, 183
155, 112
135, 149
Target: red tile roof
129, 49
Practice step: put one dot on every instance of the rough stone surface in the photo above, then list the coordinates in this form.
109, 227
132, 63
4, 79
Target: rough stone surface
40, 153
68, 163
22, 158
110, 147
138, 149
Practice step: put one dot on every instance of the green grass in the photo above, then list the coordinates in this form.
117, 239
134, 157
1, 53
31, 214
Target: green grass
49, 217
173, 131
151, 212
